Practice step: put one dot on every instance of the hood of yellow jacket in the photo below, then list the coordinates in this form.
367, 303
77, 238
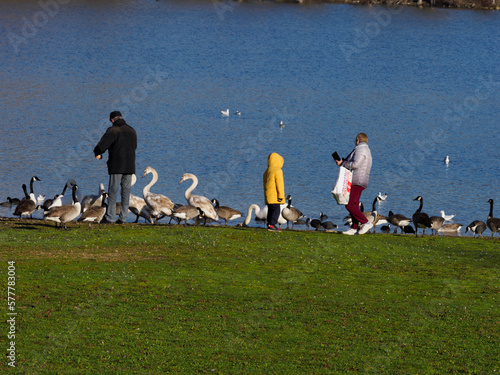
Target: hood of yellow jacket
275, 160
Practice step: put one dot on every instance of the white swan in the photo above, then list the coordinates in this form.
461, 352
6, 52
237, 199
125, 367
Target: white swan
68, 212
139, 208
160, 204
261, 214
225, 113
198, 200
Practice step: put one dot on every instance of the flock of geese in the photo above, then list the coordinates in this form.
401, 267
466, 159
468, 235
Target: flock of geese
64, 208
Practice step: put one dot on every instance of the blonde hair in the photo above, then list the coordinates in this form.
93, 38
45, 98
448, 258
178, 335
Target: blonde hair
362, 137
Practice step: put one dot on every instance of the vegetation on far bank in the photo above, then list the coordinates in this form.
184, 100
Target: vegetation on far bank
225, 300
461, 4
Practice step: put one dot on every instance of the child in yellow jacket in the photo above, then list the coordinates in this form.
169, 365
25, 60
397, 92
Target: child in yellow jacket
274, 189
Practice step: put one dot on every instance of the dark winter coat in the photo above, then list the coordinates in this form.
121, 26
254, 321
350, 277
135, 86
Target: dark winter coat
120, 140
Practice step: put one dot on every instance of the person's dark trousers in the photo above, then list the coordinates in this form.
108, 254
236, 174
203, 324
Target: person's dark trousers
273, 213
115, 181
353, 207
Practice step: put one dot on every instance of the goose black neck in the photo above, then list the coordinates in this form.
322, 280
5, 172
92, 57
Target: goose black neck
25, 191
75, 199
421, 205
491, 208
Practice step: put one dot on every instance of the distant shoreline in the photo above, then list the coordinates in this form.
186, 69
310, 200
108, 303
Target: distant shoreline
453, 4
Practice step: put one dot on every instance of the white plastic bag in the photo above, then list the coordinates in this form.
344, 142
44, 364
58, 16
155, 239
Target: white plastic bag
342, 188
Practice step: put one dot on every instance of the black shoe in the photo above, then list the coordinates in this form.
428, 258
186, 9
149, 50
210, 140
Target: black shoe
120, 221
106, 221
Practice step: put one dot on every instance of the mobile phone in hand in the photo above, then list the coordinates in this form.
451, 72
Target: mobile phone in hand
336, 156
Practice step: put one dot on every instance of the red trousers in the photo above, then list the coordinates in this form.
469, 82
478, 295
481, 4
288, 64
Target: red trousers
353, 207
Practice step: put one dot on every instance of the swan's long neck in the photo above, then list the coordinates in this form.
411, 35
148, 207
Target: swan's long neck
187, 194
145, 191
249, 214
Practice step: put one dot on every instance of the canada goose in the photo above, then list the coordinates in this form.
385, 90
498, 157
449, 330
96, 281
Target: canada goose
303, 221
198, 200
348, 218
139, 208
450, 227
50, 201
372, 215
261, 214
226, 213
237, 113
476, 227
15, 201
225, 113
436, 223
420, 219
398, 220
323, 216
382, 197
7, 203
27, 206
186, 212
160, 204
63, 200
282, 124
93, 200
291, 213
94, 214
63, 214
493, 222
446, 217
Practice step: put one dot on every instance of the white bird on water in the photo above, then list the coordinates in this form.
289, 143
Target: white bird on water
446, 217
225, 113
447, 160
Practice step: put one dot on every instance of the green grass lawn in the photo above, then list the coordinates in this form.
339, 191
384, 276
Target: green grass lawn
187, 300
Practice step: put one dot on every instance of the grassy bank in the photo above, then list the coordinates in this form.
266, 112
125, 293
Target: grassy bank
172, 299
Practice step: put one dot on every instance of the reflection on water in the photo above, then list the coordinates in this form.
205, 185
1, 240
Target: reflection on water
422, 85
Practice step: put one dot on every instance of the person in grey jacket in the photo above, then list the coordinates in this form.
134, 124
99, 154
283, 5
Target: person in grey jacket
359, 161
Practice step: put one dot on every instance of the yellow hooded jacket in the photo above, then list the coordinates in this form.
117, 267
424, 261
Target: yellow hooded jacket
274, 185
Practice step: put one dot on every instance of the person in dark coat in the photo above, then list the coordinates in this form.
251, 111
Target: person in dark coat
120, 140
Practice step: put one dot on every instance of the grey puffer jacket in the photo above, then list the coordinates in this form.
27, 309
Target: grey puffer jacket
359, 161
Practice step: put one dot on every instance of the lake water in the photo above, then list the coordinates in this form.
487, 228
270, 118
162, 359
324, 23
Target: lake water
422, 83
